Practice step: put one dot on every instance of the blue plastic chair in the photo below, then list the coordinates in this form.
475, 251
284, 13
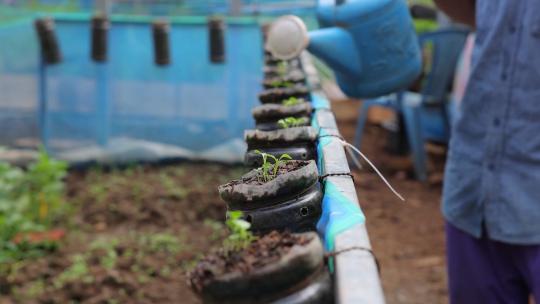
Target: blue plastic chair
425, 113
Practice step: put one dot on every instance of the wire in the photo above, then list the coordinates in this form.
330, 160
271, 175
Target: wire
355, 160
348, 145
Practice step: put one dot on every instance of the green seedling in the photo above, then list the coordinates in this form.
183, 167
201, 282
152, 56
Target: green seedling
282, 68
281, 84
290, 122
268, 169
292, 101
78, 270
240, 237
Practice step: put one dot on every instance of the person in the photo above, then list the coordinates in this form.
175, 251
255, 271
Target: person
491, 195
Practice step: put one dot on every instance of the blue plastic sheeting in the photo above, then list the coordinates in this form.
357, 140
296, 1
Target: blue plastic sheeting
193, 105
18, 83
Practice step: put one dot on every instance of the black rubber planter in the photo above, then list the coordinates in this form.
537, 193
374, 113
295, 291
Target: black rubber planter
277, 95
297, 214
274, 71
291, 201
253, 159
267, 115
297, 276
270, 60
298, 142
283, 82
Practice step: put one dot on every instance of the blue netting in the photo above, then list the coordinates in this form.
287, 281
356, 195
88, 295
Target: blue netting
129, 106
191, 104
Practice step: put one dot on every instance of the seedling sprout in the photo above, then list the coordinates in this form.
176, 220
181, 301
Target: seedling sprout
240, 236
281, 84
292, 101
290, 122
269, 170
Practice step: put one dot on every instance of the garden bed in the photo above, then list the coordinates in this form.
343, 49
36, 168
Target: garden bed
131, 236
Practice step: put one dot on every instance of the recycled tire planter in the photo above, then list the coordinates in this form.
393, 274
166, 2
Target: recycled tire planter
298, 142
273, 71
298, 275
266, 116
297, 214
294, 79
277, 95
291, 201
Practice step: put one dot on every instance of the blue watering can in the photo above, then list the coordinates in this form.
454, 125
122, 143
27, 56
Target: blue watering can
370, 44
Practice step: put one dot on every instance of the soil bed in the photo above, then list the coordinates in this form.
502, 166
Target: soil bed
132, 235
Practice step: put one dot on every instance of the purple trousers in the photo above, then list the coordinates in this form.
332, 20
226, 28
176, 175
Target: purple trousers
486, 271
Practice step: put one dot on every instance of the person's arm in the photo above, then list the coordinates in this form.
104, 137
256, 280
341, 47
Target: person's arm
459, 10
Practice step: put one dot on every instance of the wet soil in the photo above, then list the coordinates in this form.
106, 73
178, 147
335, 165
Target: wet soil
263, 251
283, 168
130, 238
407, 238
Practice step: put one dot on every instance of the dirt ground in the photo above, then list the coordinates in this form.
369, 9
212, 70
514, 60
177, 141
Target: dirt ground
408, 238
131, 237
134, 232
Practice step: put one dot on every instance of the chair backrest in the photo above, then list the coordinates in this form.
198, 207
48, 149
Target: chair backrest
445, 46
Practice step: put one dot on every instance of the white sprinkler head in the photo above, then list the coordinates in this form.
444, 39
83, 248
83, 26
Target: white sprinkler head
287, 37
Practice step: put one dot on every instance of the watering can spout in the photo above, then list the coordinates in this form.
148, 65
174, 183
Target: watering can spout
371, 45
323, 43
288, 37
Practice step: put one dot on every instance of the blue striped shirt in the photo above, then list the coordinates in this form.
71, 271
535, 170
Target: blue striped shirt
492, 176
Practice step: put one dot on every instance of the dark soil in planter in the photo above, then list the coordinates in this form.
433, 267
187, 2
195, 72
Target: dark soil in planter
267, 115
304, 121
270, 60
293, 79
255, 179
272, 267
253, 159
277, 95
273, 71
298, 142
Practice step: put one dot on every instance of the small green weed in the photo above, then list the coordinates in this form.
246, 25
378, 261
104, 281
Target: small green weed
161, 242
109, 257
174, 189
240, 236
77, 271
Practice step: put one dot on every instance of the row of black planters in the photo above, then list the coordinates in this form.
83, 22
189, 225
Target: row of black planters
289, 202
